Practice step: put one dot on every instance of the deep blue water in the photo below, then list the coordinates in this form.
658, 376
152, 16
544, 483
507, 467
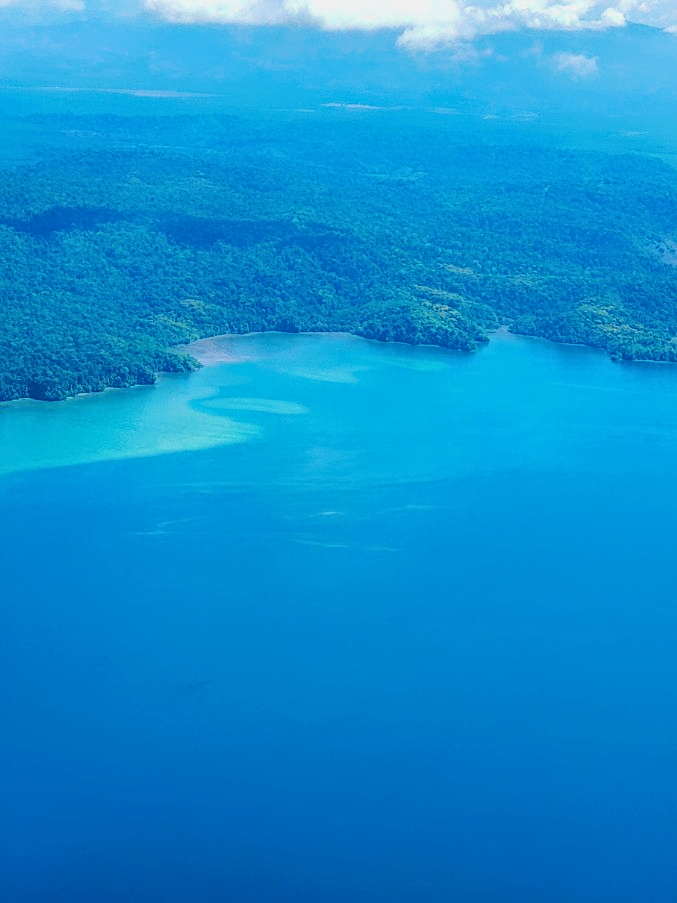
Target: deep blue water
380, 624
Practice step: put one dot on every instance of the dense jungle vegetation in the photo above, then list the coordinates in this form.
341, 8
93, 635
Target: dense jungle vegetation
113, 255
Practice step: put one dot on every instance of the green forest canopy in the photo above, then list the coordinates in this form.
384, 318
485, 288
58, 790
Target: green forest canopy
111, 258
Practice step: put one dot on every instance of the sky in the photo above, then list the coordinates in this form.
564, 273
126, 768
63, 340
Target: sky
423, 24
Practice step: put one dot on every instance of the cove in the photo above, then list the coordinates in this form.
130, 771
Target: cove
335, 620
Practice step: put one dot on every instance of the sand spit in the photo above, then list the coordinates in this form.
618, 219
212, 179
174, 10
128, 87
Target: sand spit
215, 350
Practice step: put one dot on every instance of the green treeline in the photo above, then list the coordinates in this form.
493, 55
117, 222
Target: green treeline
110, 258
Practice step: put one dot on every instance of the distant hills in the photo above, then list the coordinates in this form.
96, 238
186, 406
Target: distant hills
626, 72
184, 181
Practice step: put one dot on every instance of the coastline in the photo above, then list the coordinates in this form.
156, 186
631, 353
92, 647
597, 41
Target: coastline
213, 351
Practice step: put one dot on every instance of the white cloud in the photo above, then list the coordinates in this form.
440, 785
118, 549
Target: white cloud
576, 65
425, 24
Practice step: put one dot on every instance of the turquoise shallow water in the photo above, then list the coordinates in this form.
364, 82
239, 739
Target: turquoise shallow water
343, 621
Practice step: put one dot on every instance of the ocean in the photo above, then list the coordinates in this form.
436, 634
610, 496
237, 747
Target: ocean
331, 620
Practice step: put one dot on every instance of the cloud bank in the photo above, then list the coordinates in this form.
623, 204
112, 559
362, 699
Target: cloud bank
424, 23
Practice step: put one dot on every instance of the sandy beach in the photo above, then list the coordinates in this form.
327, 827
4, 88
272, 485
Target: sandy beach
214, 350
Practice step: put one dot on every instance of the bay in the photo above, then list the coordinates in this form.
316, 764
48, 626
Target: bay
335, 620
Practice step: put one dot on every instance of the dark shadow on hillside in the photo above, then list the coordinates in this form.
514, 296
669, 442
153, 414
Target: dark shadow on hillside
203, 232
190, 231
64, 219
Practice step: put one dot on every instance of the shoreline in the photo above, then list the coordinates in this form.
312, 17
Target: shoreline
210, 352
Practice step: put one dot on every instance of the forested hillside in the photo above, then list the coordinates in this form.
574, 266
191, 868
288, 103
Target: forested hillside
109, 258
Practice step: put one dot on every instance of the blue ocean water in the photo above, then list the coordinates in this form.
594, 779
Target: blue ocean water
338, 621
